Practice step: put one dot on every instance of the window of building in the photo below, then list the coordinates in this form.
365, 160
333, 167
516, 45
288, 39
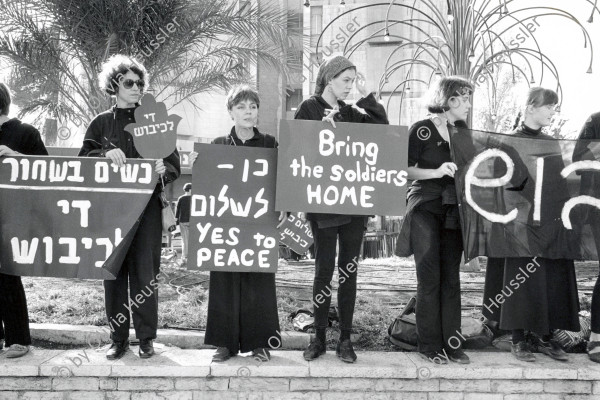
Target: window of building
316, 24
293, 100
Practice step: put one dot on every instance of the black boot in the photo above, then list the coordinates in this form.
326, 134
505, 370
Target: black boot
117, 350
315, 349
222, 354
345, 352
146, 348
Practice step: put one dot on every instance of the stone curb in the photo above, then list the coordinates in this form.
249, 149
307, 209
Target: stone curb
96, 336
177, 363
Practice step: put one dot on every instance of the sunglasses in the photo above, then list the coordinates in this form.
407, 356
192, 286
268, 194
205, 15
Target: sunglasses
128, 83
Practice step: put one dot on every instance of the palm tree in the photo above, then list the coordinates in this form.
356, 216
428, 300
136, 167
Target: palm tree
56, 47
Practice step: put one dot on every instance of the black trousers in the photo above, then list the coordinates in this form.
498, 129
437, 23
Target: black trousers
595, 311
596, 306
138, 272
13, 312
437, 257
350, 240
242, 311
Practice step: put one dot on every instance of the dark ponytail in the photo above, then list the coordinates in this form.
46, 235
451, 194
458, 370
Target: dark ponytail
517, 120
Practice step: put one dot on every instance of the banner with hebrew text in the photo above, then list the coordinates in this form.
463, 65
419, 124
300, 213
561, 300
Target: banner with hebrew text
296, 233
527, 196
70, 217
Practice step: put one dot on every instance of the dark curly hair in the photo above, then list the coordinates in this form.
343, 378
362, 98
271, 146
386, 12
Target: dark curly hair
117, 66
444, 90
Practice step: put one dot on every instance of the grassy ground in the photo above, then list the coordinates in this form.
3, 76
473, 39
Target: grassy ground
384, 286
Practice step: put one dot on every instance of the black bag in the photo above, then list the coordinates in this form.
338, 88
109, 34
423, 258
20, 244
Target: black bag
403, 331
169, 222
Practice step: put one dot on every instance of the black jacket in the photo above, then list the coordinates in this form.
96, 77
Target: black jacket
314, 109
182, 214
258, 140
107, 132
22, 138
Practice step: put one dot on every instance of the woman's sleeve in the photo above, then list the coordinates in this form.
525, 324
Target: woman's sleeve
589, 131
92, 142
304, 112
173, 165
375, 112
415, 145
36, 145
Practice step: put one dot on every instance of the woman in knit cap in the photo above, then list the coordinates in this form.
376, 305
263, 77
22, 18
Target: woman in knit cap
335, 81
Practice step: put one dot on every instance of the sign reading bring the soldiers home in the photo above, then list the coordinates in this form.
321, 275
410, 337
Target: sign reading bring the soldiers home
70, 217
357, 169
233, 223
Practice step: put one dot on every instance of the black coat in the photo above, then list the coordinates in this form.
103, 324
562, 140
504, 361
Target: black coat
242, 306
107, 132
22, 138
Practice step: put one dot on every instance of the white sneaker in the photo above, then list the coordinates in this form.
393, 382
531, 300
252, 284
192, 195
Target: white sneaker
16, 351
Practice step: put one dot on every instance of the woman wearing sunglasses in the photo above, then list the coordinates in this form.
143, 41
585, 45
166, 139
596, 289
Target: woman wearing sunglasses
124, 78
431, 227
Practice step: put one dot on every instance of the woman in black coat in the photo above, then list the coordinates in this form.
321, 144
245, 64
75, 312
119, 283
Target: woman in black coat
335, 80
545, 299
242, 306
15, 138
124, 78
431, 227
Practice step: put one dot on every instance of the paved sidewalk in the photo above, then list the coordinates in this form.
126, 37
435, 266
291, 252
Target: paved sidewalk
175, 362
179, 374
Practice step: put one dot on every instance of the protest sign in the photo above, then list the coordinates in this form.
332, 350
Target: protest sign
233, 223
357, 169
296, 234
154, 131
70, 217
525, 197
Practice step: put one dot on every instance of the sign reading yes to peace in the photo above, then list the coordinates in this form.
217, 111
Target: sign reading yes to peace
356, 169
233, 223
155, 131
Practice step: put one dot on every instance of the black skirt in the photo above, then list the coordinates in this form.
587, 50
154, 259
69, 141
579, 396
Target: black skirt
538, 294
242, 311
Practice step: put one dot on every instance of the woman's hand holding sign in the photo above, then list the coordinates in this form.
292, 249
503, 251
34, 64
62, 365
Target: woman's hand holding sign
159, 167
117, 157
7, 151
329, 117
193, 156
447, 168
